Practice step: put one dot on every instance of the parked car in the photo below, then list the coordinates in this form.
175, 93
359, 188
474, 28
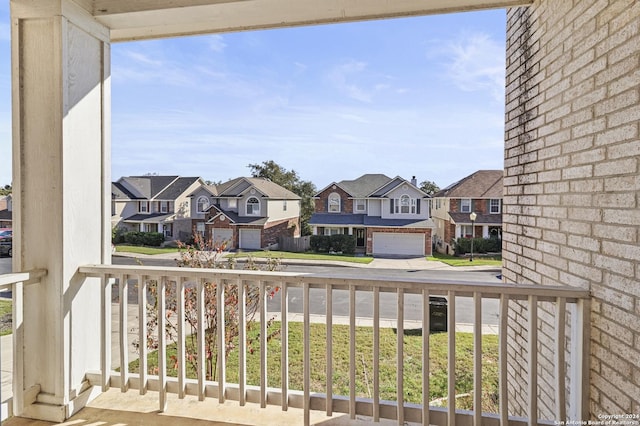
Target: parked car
6, 242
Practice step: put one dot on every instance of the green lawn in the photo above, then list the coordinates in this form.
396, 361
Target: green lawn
5, 317
464, 261
304, 256
145, 250
364, 360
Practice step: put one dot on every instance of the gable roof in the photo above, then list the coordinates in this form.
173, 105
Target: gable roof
364, 185
481, 184
269, 189
151, 187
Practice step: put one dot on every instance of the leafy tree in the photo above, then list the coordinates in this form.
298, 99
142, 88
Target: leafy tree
429, 187
290, 180
5, 190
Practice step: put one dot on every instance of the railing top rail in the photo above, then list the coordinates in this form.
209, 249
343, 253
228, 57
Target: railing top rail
27, 277
385, 284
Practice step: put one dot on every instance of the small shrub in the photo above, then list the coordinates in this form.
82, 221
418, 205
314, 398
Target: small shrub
137, 238
462, 246
320, 243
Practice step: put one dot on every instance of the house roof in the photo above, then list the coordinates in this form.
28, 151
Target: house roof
481, 219
148, 217
236, 219
239, 186
481, 184
332, 219
369, 185
6, 214
151, 187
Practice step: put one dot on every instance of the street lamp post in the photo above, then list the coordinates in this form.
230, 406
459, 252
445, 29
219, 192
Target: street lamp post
472, 216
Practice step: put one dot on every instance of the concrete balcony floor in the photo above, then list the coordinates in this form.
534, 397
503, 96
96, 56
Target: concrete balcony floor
114, 408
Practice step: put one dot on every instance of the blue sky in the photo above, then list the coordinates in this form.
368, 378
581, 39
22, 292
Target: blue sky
417, 97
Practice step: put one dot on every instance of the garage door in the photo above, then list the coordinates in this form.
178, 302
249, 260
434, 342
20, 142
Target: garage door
386, 243
221, 235
250, 239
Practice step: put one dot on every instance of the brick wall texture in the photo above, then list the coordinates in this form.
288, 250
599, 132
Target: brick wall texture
572, 184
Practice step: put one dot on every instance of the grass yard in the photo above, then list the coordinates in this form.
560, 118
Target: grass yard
145, 250
464, 261
5, 317
364, 361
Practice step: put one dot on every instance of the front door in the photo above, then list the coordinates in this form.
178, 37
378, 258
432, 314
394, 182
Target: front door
359, 237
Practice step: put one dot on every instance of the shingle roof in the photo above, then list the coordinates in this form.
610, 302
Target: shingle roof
320, 219
481, 219
237, 186
151, 187
6, 214
176, 188
481, 184
364, 185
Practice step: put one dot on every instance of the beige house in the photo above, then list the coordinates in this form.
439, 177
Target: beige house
569, 316
245, 213
479, 193
153, 204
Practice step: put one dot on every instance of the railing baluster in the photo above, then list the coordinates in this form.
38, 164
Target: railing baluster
560, 370
306, 361
400, 357
17, 330
477, 360
124, 330
142, 333
162, 343
451, 388
426, 332
284, 346
329, 328
263, 343
533, 361
242, 342
181, 339
200, 340
580, 361
352, 352
106, 331
376, 354
222, 362
503, 357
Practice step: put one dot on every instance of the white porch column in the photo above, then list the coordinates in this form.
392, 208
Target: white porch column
61, 178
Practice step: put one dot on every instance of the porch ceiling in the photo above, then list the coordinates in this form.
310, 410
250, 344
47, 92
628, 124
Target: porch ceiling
145, 19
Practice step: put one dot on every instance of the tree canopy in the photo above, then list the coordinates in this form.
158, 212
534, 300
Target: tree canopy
290, 180
5, 190
429, 187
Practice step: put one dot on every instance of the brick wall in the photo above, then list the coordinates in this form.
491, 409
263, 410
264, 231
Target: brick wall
321, 203
572, 182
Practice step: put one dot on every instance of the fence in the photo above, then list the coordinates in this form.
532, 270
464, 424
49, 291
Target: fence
295, 244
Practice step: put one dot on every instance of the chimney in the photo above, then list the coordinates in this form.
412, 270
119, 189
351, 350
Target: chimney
414, 182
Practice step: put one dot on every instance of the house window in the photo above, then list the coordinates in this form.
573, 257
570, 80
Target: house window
143, 206
233, 203
202, 204
360, 205
332, 231
334, 203
168, 230
253, 207
465, 205
494, 205
200, 228
405, 204
466, 231
164, 206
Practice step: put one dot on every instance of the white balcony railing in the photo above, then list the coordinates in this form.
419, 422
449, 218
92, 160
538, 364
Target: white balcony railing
14, 283
567, 303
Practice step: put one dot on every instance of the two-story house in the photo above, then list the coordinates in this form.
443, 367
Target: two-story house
387, 216
6, 211
245, 213
479, 193
153, 204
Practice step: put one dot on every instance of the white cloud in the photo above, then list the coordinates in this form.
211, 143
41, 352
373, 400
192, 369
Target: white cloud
341, 76
216, 43
477, 62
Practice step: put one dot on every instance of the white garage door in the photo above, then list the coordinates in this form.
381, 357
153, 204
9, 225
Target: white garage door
221, 235
398, 244
250, 239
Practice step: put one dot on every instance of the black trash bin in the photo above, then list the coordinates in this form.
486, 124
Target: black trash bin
437, 314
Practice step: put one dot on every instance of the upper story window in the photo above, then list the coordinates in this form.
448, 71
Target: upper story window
405, 204
253, 206
164, 206
334, 203
143, 206
465, 205
202, 204
360, 205
494, 205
